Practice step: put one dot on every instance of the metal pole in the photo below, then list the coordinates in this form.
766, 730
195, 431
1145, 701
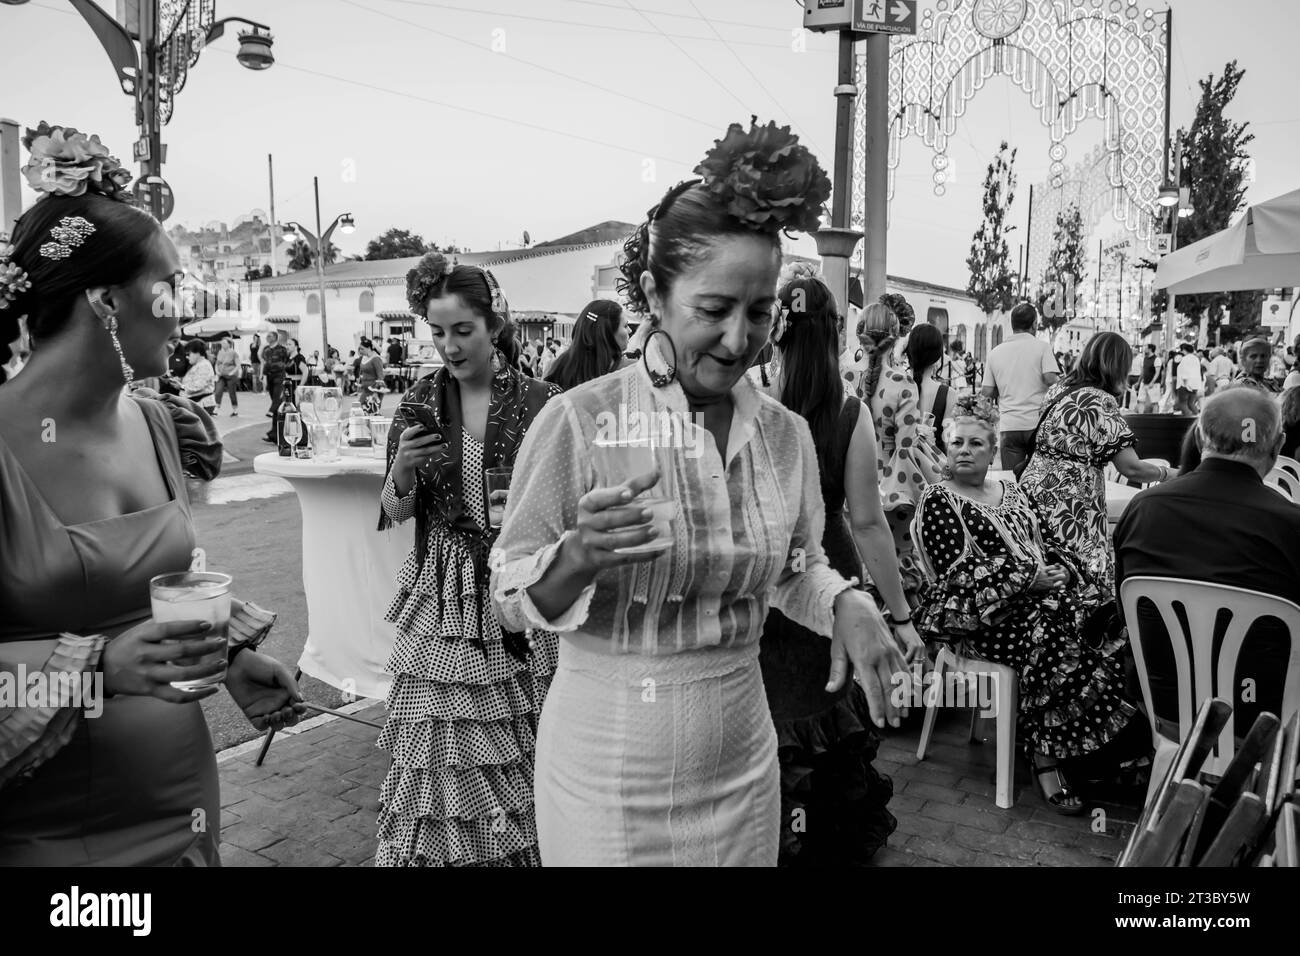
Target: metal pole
836, 267
1029, 234
149, 130
875, 167
275, 229
320, 271
11, 193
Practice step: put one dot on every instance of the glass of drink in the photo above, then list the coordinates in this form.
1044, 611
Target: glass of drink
620, 459
326, 439
496, 483
292, 432
379, 427
194, 596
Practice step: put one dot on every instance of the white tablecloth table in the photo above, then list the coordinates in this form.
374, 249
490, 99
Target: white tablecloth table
349, 570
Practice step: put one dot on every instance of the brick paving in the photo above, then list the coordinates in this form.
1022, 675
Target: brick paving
316, 799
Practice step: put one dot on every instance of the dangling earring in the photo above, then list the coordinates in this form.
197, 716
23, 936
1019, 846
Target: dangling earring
659, 379
110, 323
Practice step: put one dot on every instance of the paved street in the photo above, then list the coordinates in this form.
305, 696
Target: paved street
315, 800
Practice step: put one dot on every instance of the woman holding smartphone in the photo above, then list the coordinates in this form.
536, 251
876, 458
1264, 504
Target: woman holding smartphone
466, 694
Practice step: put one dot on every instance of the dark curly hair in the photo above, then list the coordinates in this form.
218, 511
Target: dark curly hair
759, 181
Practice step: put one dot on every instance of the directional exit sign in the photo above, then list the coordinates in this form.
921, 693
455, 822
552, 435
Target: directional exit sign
885, 16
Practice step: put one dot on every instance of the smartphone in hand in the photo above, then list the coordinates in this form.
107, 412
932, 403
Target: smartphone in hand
422, 415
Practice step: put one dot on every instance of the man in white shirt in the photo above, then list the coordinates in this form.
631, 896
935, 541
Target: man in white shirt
1019, 372
1220, 371
1188, 382
549, 355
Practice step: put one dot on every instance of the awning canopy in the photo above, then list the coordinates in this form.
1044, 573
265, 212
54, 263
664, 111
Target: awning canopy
398, 316
220, 322
1260, 251
284, 319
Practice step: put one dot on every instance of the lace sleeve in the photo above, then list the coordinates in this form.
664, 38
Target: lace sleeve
550, 474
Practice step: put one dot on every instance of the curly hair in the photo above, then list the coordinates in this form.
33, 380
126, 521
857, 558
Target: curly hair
880, 324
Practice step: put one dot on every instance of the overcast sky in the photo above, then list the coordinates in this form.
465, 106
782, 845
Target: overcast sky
587, 110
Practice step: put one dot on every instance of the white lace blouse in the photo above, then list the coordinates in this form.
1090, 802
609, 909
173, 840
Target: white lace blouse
745, 532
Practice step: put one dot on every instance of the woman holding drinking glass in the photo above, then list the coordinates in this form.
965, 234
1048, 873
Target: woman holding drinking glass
466, 692
93, 504
656, 745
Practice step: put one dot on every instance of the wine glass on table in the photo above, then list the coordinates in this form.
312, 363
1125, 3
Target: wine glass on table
292, 432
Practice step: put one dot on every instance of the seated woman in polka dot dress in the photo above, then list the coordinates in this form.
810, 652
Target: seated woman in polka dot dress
462, 713
1002, 597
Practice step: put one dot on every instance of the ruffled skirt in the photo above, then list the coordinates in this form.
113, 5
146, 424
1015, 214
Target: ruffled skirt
834, 803
462, 720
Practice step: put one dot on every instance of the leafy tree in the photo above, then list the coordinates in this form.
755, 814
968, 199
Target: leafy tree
993, 282
1065, 270
301, 256
397, 244
1215, 162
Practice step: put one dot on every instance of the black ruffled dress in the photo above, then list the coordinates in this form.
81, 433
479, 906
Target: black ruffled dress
833, 801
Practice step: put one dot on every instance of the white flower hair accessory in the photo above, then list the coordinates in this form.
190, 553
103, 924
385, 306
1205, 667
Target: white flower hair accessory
13, 278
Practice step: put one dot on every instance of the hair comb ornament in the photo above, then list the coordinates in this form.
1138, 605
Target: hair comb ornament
13, 278
69, 234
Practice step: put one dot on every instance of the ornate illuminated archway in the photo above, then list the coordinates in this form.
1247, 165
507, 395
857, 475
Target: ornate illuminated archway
1075, 58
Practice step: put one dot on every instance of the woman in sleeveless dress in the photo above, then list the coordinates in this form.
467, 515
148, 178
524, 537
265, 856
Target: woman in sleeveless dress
113, 766
466, 693
833, 801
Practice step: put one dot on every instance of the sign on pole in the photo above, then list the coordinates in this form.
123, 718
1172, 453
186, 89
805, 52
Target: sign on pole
142, 149
1275, 314
827, 15
1163, 244
885, 16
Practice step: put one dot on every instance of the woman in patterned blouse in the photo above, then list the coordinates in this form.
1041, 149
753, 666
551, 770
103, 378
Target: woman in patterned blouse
1083, 431
656, 746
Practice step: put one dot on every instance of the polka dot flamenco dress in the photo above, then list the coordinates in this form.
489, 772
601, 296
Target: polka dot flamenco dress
462, 712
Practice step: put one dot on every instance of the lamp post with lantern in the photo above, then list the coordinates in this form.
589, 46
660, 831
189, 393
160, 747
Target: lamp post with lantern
318, 242
152, 46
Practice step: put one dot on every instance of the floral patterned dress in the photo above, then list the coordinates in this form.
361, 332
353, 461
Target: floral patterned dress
1064, 480
907, 460
981, 561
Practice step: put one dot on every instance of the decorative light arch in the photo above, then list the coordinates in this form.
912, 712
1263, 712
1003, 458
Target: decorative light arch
1074, 58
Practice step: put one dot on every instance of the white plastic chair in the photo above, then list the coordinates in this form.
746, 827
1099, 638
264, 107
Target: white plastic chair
1005, 686
1283, 481
1290, 466
1199, 675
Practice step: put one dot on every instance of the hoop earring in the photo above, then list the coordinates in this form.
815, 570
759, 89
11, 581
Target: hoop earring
659, 379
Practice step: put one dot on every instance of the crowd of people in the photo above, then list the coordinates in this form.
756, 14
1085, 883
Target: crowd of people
572, 684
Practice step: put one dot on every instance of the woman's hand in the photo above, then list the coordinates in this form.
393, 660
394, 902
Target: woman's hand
143, 661
1053, 577
862, 638
910, 643
415, 449
265, 691
609, 519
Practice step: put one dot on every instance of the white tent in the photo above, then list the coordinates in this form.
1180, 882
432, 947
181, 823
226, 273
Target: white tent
222, 321
1260, 251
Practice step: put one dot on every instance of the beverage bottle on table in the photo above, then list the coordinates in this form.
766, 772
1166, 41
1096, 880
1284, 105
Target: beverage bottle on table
287, 405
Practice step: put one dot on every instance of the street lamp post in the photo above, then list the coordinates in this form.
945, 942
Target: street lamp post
156, 72
319, 242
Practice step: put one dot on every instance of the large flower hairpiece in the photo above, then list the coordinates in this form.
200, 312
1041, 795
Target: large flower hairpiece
66, 162
766, 179
428, 274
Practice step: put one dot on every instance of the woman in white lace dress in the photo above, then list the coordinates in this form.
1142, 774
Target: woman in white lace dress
656, 745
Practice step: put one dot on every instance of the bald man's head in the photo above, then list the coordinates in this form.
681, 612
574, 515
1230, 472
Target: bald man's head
1243, 424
